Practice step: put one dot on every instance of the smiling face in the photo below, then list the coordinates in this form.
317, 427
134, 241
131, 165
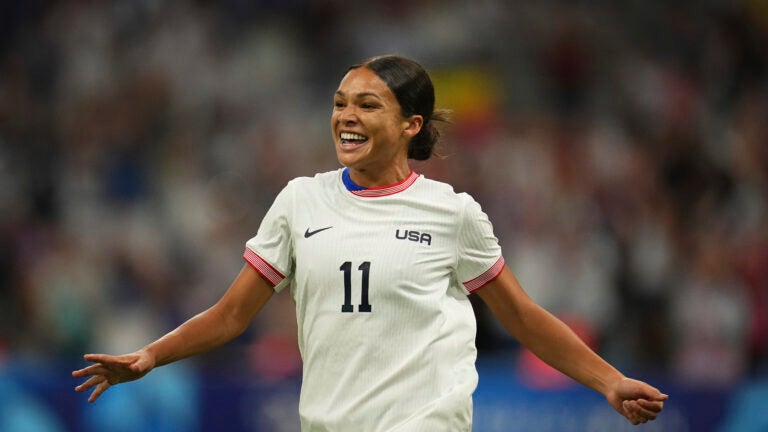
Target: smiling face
370, 133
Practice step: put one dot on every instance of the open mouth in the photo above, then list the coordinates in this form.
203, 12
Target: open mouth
352, 139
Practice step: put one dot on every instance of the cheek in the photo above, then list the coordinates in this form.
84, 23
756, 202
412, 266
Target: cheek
395, 131
334, 123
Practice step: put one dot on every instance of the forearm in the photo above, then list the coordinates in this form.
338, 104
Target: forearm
203, 332
557, 345
224, 321
545, 335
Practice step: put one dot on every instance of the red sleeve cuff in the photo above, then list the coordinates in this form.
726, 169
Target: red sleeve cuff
265, 269
486, 277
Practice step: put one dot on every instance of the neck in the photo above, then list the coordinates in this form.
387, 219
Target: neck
374, 178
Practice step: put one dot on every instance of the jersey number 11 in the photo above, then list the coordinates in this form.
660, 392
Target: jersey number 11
364, 306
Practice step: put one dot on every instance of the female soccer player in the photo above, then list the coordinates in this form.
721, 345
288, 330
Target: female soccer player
380, 261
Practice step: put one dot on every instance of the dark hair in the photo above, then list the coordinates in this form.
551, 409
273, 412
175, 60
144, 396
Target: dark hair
413, 90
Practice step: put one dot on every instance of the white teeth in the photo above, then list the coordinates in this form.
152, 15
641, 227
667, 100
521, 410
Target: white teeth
352, 136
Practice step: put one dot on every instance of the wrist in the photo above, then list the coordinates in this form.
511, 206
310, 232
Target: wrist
609, 382
150, 352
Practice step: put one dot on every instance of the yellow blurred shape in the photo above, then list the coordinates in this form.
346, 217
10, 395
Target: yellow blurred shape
469, 92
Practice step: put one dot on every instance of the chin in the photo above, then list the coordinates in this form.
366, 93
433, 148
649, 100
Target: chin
350, 161
349, 164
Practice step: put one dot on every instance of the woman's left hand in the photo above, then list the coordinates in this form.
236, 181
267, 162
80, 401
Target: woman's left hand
636, 400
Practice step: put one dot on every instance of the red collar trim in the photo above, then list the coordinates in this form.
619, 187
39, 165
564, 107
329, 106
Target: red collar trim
381, 191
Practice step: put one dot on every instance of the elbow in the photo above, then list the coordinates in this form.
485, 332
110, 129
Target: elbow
231, 325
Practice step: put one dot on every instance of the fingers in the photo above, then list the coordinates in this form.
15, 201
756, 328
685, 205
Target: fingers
98, 375
105, 364
96, 369
651, 406
639, 401
631, 414
641, 410
634, 389
100, 383
102, 358
94, 380
100, 388
652, 393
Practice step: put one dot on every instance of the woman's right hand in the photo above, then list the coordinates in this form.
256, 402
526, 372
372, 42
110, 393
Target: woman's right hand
109, 370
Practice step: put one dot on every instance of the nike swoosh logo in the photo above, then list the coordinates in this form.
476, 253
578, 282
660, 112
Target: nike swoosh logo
308, 233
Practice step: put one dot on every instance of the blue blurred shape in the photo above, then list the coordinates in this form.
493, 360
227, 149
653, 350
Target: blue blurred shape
166, 401
23, 411
747, 409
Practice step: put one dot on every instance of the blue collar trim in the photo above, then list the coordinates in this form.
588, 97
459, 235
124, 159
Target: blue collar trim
350, 185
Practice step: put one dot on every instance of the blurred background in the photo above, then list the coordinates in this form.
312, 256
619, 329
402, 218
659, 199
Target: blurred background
619, 148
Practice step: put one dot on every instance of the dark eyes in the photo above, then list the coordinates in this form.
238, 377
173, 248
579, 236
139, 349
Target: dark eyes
364, 105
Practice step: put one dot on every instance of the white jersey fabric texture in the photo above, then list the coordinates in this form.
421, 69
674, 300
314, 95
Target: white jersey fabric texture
380, 279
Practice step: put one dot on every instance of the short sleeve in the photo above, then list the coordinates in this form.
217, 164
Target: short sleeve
270, 252
479, 253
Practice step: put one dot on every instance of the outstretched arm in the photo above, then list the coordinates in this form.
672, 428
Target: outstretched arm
219, 324
555, 343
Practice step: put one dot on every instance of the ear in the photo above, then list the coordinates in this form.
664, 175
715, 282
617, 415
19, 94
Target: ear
412, 125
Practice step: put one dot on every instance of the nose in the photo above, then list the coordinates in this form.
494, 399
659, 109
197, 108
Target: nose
348, 115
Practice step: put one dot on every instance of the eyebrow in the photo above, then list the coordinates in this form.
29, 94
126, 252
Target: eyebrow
359, 95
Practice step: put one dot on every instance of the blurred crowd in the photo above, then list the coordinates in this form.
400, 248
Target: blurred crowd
619, 148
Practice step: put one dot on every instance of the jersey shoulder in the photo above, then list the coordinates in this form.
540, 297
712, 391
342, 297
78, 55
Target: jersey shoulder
443, 192
323, 180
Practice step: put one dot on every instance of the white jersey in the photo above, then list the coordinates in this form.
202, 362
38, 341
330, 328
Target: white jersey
380, 279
